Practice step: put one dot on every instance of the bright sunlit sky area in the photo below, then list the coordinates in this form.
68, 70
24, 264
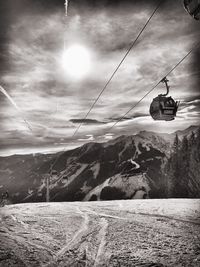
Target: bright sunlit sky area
55, 63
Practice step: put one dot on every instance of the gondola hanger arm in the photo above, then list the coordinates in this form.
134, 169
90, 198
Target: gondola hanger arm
165, 80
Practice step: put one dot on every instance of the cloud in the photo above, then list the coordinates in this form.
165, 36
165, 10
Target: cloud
126, 118
88, 138
86, 121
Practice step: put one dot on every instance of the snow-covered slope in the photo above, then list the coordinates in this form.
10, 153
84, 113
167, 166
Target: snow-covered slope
120, 186
116, 233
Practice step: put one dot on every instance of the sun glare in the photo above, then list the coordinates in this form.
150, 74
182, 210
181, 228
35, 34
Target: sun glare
76, 61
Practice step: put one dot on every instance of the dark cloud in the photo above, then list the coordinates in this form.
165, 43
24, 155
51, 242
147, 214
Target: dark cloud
126, 118
86, 121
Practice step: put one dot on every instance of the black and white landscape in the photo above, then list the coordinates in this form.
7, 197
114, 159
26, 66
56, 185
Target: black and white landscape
88, 175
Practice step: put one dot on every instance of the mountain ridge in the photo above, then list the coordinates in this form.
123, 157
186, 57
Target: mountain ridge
133, 161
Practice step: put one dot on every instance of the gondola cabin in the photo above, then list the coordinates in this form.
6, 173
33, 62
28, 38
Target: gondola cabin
163, 108
193, 8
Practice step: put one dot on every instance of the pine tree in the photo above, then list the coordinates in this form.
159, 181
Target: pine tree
176, 144
173, 169
198, 145
191, 140
182, 171
194, 166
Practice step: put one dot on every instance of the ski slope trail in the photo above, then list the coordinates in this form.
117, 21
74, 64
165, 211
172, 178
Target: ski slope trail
100, 257
112, 233
77, 237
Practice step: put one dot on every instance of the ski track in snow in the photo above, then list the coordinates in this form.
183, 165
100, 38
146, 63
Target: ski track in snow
78, 235
99, 214
142, 214
76, 239
102, 236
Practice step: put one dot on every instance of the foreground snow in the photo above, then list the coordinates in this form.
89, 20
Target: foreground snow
118, 233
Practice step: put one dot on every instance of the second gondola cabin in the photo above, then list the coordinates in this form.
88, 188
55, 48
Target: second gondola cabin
193, 8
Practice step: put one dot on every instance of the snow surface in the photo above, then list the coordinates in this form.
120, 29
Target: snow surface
80, 169
136, 165
96, 168
97, 190
117, 233
127, 184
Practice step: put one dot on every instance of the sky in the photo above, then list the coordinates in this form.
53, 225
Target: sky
34, 35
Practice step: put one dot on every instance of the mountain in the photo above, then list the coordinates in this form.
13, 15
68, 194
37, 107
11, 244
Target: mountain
20, 174
187, 132
123, 168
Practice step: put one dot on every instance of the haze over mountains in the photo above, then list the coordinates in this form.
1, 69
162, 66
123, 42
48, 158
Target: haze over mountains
128, 167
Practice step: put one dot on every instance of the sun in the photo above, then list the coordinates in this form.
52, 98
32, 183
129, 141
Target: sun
76, 61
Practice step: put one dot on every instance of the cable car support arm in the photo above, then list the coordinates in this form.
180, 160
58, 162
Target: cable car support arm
164, 80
